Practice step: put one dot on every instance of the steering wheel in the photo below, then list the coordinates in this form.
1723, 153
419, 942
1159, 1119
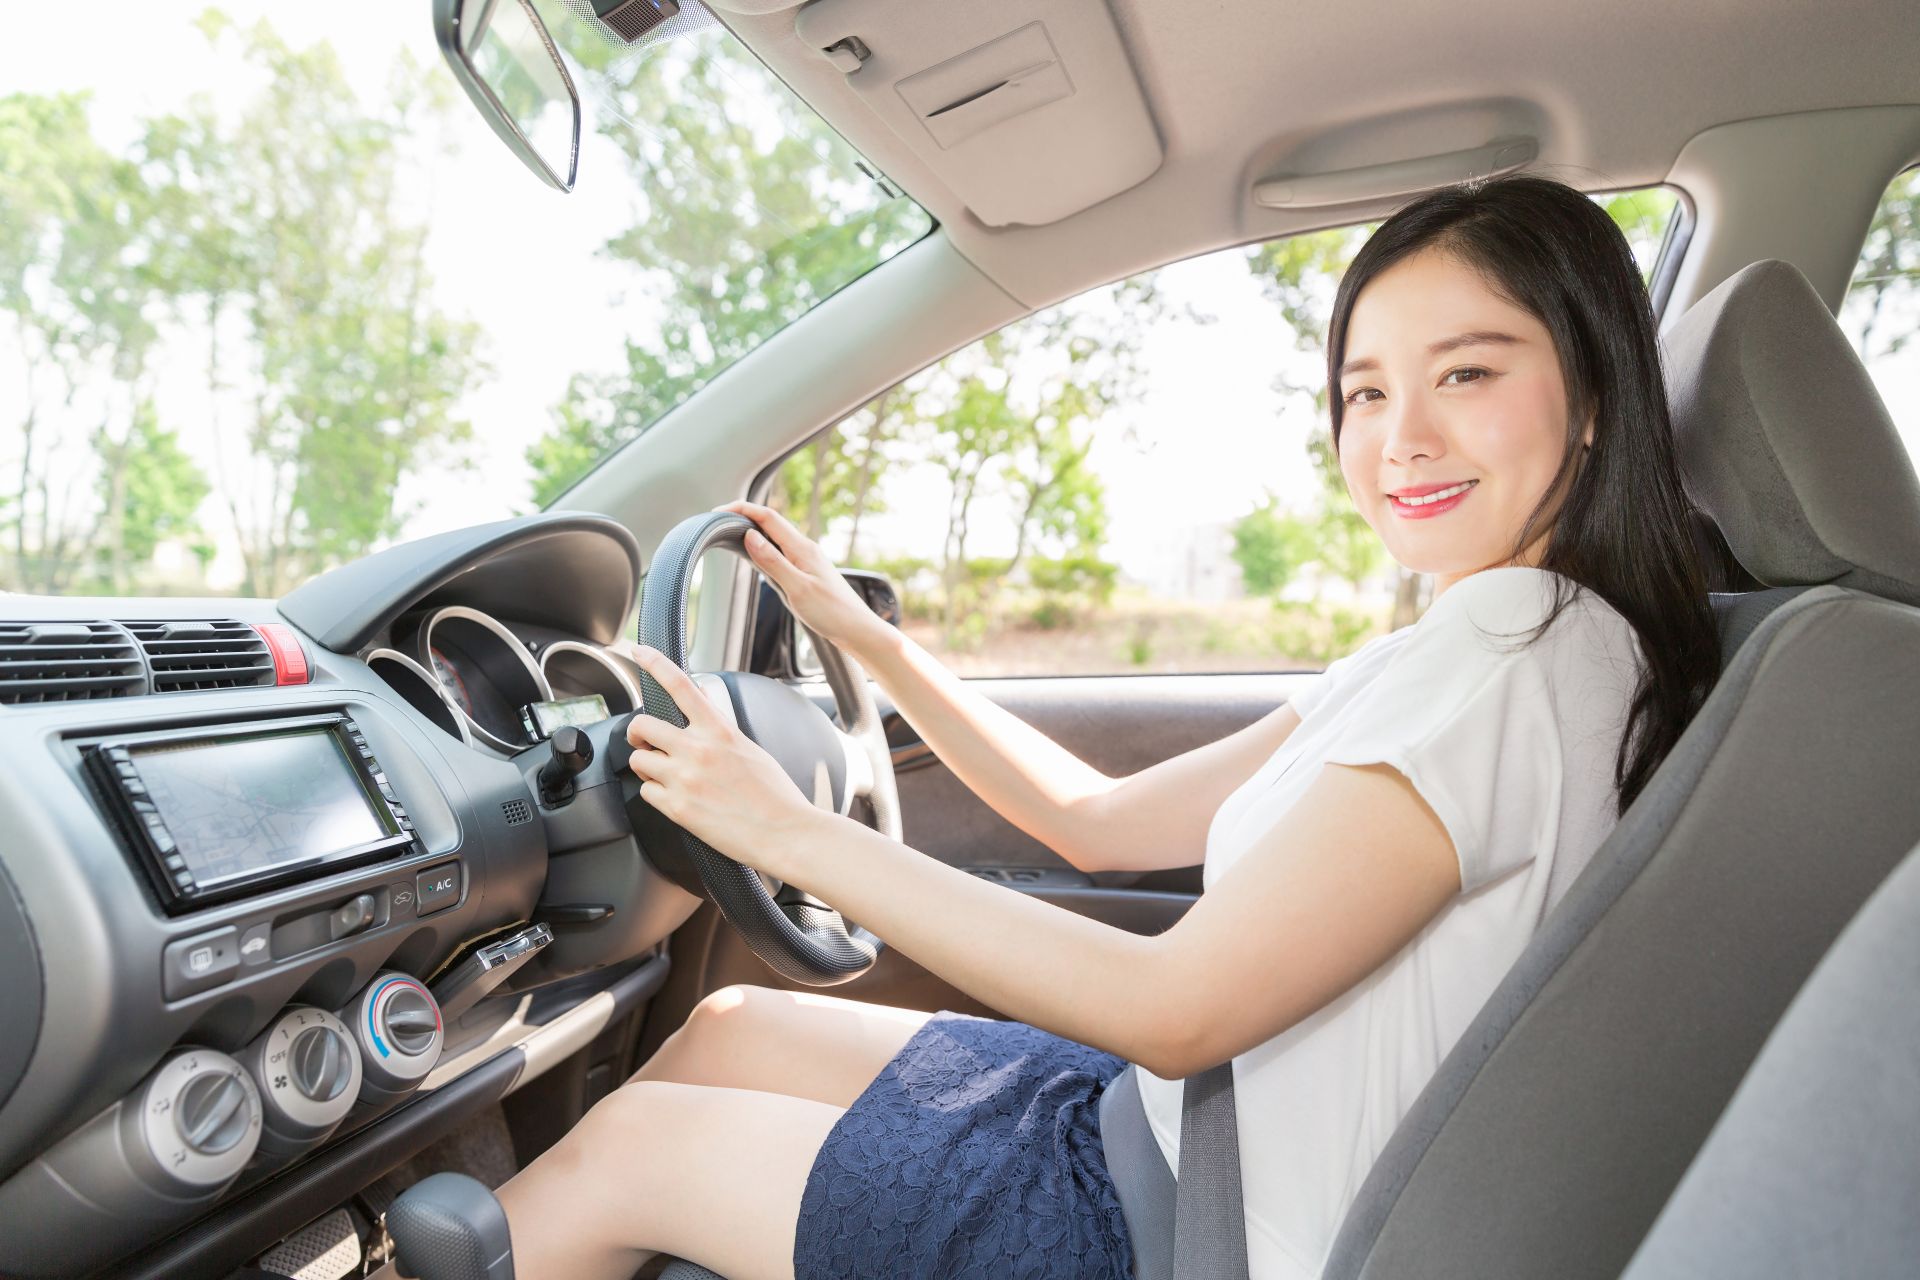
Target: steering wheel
801, 937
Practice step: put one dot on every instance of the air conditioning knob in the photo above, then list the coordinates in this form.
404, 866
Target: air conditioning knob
212, 1113
413, 1022
308, 1070
397, 1027
198, 1117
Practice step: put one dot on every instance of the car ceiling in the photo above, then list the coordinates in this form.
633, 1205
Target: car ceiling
1244, 89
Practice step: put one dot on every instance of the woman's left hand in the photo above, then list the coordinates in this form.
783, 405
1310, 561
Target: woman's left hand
709, 777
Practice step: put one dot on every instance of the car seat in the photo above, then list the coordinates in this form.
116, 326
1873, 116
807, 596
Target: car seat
1812, 1169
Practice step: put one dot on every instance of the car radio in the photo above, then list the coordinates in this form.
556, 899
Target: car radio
213, 813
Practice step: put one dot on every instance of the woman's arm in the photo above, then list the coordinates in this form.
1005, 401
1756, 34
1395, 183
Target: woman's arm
1153, 819
1320, 903
1354, 871
1149, 820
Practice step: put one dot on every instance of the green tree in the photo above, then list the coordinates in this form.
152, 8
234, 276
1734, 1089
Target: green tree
750, 211
1642, 216
1889, 269
837, 475
78, 289
1301, 275
1021, 412
291, 220
1271, 545
978, 425
153, 490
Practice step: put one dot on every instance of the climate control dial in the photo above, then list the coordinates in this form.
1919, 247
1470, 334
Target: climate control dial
200, 1117
396, 1024
308, 1070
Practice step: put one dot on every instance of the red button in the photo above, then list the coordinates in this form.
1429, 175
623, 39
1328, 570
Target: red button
289, 659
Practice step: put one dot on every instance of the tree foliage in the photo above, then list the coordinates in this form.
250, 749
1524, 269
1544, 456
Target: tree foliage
279, 242
739, 229
1889, 270
79, 288
291, 221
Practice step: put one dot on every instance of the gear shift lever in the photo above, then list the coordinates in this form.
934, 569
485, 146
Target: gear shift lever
450, 1227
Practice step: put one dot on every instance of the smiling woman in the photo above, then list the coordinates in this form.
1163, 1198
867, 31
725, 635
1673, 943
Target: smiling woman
1560, 432
1451, 433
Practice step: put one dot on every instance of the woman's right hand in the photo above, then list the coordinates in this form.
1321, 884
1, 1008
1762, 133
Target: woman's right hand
813, 587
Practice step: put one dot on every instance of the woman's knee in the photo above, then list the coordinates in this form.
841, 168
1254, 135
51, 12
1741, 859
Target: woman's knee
730, 1013
713, 1032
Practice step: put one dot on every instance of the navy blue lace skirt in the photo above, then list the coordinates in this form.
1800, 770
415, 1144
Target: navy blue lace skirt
974, 1154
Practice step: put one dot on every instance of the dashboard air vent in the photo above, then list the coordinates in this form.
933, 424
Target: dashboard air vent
65, 661
211, 653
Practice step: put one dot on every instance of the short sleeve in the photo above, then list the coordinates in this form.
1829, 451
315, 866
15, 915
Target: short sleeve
1310, 697
1316, 691
1463, 710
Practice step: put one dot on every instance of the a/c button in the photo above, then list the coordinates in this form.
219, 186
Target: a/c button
437, 888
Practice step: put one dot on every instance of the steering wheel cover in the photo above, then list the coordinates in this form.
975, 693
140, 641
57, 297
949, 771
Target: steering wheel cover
803, 940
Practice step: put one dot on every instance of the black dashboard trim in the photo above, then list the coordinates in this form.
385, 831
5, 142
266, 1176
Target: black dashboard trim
22, 995
555, 566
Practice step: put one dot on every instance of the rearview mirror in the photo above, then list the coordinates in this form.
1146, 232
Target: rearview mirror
504, 58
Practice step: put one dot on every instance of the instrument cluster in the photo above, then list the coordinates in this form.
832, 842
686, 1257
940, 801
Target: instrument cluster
483, 682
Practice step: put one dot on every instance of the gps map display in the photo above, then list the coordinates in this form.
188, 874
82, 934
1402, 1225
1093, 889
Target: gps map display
242, 806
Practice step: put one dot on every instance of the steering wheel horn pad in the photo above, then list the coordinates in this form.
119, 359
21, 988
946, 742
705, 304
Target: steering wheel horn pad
800, 937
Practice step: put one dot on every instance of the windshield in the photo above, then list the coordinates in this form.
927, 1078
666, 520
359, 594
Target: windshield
272, 295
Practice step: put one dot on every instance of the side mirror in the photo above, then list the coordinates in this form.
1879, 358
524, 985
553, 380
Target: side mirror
503, 56
781, 647
877, 591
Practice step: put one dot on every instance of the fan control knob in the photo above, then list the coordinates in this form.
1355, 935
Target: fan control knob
321, 1062
308, 1070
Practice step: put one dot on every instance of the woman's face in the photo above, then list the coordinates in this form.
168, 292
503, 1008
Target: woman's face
1448, 384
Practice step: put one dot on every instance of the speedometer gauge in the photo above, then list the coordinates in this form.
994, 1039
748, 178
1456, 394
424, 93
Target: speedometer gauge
449, 677
487, 673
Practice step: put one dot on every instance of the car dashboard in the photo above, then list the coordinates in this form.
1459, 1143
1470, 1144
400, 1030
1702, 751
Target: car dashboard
250, 846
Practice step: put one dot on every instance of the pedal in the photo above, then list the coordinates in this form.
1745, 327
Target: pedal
327, 1248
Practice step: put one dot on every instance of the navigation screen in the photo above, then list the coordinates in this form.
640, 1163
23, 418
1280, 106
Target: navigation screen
241, 806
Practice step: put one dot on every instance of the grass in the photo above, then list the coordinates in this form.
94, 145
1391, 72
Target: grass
1139, 635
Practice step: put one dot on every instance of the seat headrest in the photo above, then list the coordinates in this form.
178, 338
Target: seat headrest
1785, 443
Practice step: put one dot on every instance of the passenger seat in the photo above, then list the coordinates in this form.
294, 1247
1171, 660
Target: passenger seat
1813, 1170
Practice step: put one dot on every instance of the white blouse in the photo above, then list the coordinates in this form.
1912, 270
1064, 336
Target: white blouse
1513, 746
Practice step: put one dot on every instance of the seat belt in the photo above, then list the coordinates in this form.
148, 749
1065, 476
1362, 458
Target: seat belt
1209, 1222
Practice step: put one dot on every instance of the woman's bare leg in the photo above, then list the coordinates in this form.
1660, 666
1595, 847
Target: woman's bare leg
802, 1044
711, 1175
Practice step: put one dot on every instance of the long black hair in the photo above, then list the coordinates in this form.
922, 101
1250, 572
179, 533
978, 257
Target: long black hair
1623, 530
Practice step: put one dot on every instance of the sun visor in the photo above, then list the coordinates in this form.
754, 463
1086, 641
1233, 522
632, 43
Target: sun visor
1027, 112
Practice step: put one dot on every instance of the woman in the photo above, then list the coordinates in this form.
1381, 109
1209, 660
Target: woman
1377, 851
